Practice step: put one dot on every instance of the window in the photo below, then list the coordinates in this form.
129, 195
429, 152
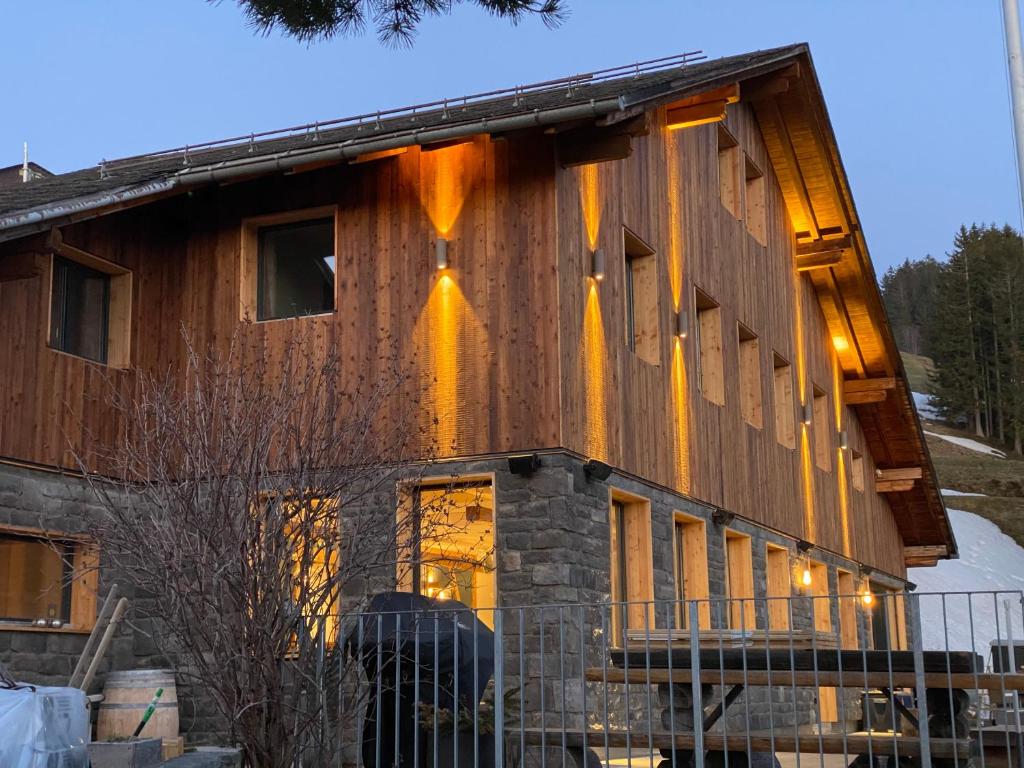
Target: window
857, 470
690, 550
822, 432
729, 158
632, 571
822, 609
754, 201
847, 588
709, 346
778, 586
888, 623
739, 581
642, 328
90, 307
288, 265
47, 579
452, 543
750, 377
785, 414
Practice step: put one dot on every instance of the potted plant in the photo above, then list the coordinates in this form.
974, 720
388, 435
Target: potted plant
126, 753
445, 734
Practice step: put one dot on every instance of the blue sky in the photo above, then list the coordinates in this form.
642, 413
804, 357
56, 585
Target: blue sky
916, 88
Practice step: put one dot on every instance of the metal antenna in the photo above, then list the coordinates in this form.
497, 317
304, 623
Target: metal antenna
25, 176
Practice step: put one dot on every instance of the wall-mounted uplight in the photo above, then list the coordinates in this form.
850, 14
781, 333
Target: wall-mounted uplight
441, 253
597, 264
803, 547
805, 577
844, 440
682, 324
808, 414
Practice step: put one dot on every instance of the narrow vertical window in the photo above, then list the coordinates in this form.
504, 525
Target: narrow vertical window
857, 470
822, 609
641, 290
709, 346
785, 415
778, 587
822, 431
631, 572
754, 201
690, 548
729, 158
739, 581
847, 589
750, 377
79, 310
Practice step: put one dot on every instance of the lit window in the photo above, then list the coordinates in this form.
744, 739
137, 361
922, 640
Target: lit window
779, 586
785, 416
642, 329
632, 574
690, 547
46, 581
709, 347
452, 549
739, 581
750, 377
822, 431
847, 588
79, 310
296, 269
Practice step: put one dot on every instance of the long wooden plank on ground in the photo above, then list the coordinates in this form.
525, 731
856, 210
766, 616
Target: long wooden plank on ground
810, 679
833, 743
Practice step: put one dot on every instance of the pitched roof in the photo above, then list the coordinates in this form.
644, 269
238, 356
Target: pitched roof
34, 206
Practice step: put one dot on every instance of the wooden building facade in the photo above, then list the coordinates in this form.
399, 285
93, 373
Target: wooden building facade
662, 272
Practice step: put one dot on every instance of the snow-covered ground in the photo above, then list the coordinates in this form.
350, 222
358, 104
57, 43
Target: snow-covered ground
954, 492
925, 409
989, 560
966, 442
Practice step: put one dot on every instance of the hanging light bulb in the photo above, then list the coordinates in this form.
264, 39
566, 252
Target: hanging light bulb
806, 577
867, 598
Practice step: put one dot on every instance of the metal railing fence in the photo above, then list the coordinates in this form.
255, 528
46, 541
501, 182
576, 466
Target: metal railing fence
894, 679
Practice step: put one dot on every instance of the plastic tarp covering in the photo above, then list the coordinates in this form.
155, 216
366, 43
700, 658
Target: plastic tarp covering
42, 727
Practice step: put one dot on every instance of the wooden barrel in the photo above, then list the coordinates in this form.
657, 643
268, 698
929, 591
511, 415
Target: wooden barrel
125, 698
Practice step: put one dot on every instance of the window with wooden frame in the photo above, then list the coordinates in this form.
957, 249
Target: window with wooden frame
739, 581
730, 159
449, 527
785, 408
778, 586
750, 376
821, 607
288, 264
822, 431
632, 566
641, 293
754, 212
888, 619
90, 306
846, 585
690, 568
709, 348
48, 580
857, 470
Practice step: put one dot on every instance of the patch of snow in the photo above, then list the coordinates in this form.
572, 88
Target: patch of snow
990, 561
966, 442
925, 409
954, 492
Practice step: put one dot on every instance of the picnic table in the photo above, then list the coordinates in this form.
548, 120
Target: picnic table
945, 676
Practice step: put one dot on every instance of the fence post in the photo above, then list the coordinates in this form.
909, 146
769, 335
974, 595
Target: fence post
696, 686
913, 608
499, 690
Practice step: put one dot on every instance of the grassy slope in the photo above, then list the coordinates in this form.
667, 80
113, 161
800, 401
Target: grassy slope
1001, 480
918, 368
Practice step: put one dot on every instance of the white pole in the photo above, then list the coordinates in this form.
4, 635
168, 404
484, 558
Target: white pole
1015, 62
24, 163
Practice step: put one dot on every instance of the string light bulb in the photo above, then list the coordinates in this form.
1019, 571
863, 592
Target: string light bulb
867, 598
805, 578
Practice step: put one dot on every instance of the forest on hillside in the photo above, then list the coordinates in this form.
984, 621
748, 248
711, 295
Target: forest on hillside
967, 314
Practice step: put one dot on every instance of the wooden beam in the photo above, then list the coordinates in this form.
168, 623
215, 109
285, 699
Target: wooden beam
824, 245
899, 473
894, 486
865, 398
864, 391
770, 85
805, 263
926, 551
370, 157
784, 159
697, 114
597, 145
